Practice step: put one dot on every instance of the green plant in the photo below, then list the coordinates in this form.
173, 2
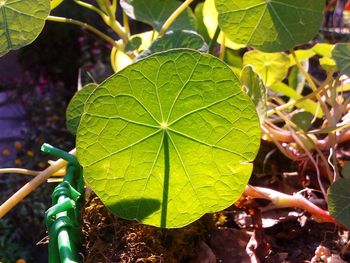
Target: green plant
172, 134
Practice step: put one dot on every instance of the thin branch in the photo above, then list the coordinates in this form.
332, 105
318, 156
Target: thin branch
173, 16
86, 26
32, 185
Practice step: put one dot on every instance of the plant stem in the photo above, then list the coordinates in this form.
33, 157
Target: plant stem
32, 185
91, 7
86, 26
223, 47
173, 16
284, 200
214, 40
126, 24
18, 171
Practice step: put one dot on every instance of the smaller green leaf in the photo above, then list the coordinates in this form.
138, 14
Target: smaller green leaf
302, 55
323, 49
328, 63
255, 90
21, 21
133, 44
76, 107
346, 170
271, 67
341, 55
307, 105
210, 19
303, 120
201, 28
339, 200
55, 3
176, 39
154, 13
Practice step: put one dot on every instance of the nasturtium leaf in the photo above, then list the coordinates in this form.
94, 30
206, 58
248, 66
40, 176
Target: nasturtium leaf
270, 25
155, 13
255, 90
76, 106
307, 105
133, 44
341, 55
210, 19
176, 39
172, 135
55, 3
339, 201
303, 120
323, 49
346, 170
302, 55
21, 21
271, 67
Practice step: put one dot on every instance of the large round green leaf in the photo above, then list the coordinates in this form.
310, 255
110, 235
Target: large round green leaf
155, 13
270, 25
169, 138
341, 55
339, 201
21, 21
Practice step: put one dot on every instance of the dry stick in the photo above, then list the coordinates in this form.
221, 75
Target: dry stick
32, 185
284, 200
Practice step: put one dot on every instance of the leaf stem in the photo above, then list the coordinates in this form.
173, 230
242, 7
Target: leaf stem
222, 47
173, 16
86, 26
214, 40
284, 200
18, 171
126, 24
91, 7
32, 185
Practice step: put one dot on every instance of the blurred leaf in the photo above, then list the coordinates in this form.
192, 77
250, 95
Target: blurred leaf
307, 105
272, 25
339, 201
341, 55
323, 49
256, 90
133, 44
302, 55
210, 18
201, 28
176, 39
328, 64
154, 13
55, 3
271, 67
303, 120
346, 170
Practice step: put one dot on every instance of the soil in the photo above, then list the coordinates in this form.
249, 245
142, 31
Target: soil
248, 231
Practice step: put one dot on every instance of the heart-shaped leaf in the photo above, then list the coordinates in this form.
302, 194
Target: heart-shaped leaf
155, 13
76, 106
21, 21
339, 201
270, 25
341, 55
271, 67
172, 135
176, 39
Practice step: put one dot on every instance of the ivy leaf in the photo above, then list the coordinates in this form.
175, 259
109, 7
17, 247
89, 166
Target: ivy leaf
271, 67
173, 135
176, 39
341, 55
270, 26
154, 13
256, 90
76, 106
339, 200
21, 21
